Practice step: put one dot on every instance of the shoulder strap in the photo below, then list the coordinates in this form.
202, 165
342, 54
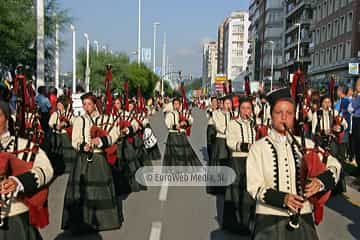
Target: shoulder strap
83, 128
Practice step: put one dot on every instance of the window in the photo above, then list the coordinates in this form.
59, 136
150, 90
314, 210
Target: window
325, 9
340, 52
330, 7
342, 25
318, 36
337, 5
336, 28
319, 13
329, 32
348, 49
323, 34
349, 22
334, 54
328, 56
317, 59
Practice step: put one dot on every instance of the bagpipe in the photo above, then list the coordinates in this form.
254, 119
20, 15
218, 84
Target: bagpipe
311, 167
337, 128
262, 128
66, 118
11, 165
185, 112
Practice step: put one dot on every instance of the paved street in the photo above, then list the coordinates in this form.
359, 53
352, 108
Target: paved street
189, 213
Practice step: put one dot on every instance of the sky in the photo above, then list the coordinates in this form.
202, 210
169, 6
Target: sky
187, 23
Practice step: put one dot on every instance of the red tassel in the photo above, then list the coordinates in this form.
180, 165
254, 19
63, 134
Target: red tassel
111, 154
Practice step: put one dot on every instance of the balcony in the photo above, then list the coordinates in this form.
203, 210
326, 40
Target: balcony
295, 27
295, 8
294, 44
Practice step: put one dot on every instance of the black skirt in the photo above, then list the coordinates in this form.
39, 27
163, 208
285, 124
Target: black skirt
178, 151
275, 227
18, 228
219, 157
210, 139
238, 205
68, 152
90, 199
128, 162
154, 153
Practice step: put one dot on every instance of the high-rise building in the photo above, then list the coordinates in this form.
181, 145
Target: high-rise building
265, 37
297, 36
335, 39
236, 46
210, 61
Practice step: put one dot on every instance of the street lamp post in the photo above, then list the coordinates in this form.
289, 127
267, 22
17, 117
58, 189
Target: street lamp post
97, 47
87, 70
57, 58
72, 27
40, 45
299, 40
139, 35
104, 48
163, 69
154, 47
272, 63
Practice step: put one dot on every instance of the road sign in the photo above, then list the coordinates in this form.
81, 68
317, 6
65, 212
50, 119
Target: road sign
354, 68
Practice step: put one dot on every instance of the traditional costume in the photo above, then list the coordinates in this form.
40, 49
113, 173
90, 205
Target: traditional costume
28, 165
274, 169
240, 135
90, 200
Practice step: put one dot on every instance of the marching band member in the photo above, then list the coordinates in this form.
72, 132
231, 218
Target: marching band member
323, 121
90, 201
178, 150
275, 178
211, 130
240, 135
60, 122
21, 220
220, 153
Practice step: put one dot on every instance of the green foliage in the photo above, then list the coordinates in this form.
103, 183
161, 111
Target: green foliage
195, 84
18, 32
122, 71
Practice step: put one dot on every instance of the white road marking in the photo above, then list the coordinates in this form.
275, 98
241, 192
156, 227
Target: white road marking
155, 233
163, 191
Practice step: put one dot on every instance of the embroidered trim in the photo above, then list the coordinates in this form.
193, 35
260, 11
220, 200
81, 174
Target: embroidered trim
297, 162
275, 164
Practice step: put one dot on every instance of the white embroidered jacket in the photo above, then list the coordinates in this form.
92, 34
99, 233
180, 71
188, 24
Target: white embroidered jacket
273, 170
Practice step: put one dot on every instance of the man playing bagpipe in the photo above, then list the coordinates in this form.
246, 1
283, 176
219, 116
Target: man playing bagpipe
288, 179
90, 200
61, 122
178, 151
240, 135
25, 171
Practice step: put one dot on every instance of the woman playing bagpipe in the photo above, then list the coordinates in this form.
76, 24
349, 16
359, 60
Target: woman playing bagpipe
220, 153
240, 135
211, 130
145, 132
288, 179
128, 161
178, 151
61, 149
90, 200
25, 171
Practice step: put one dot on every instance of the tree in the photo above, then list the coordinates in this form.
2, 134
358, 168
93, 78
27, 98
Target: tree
122, 70
18, 33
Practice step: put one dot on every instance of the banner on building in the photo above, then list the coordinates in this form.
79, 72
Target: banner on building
354, 68
146, 55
